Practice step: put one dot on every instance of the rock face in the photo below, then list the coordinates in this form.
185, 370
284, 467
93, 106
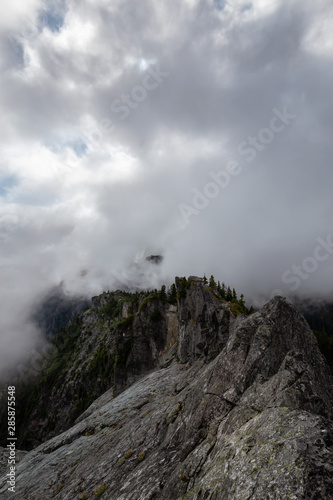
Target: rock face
203, 320
254, 421
111, 345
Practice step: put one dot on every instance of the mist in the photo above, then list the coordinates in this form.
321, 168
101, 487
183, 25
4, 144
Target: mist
200, 131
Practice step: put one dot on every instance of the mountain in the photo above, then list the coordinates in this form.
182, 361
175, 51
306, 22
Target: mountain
318, 313
56, 310
197, 401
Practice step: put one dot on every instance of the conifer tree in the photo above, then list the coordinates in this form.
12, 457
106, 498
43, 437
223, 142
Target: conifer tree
183, 288
223, 291
173, 294
163, 294
212, 282
228, 294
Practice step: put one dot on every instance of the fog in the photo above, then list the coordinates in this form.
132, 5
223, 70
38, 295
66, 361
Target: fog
198, 130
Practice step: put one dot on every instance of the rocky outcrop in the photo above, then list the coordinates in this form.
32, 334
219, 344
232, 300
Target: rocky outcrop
112, 344
253, 422
203, 319
19, 454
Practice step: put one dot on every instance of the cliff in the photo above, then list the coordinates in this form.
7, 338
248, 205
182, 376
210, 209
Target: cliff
211, 405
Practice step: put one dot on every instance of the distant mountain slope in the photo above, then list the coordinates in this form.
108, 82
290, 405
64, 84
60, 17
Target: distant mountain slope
57, 309
318, 314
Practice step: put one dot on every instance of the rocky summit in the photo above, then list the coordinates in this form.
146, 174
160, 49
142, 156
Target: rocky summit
207, 403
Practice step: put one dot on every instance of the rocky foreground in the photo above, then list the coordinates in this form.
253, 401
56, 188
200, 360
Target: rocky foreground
238, 408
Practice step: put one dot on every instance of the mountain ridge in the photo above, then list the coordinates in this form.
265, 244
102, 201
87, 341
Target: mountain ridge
225, 406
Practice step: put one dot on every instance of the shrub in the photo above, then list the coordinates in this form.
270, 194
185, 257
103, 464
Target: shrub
125, 323
100, 490
143, 304
183, 288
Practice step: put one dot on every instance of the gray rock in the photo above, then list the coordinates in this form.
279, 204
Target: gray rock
203, 322
252, 422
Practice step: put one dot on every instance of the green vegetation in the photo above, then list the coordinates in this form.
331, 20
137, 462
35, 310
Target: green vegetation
141, 456
325, 343
237, 309
162, 293
212, 282
124, 352
100, 362
172, 294
112, 309
128, 454
237, 305
124, 323
144, 304
108, 359
60, 487
100, 490
184, 285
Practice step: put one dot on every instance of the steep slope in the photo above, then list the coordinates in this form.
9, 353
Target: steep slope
121, 337
319, 314
56, 310
253, 422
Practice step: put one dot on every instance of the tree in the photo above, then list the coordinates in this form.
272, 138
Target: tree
223, 291
163, 295
183, 288
172, 295
228, 294
212, 282
205, 280
234, 294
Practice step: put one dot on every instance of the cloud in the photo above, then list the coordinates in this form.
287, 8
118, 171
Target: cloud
98, 154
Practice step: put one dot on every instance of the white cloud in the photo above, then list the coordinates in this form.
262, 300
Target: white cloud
92, 191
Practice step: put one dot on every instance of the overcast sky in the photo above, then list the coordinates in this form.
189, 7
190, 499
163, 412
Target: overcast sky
200, 130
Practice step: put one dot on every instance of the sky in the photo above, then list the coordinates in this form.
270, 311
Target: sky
198, 130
